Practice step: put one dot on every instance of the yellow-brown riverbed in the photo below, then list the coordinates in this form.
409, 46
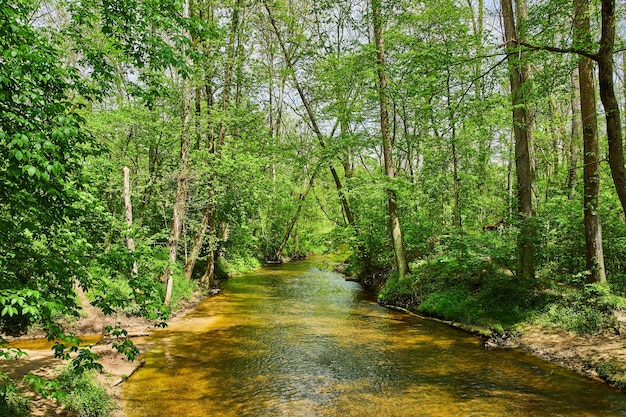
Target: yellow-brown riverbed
296, 340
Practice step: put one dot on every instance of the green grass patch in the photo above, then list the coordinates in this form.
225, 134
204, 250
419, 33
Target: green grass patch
236, 265
613, 373
586, 311
473, 291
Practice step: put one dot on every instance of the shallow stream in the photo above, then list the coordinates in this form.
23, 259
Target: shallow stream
298, 340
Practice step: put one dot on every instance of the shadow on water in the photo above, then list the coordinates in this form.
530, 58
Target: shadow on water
298, 341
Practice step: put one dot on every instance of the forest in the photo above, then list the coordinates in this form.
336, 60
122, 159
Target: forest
466, 156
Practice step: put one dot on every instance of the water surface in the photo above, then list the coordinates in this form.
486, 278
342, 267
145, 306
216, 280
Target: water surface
297, 340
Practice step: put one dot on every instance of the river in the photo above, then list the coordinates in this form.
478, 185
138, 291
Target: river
298, 340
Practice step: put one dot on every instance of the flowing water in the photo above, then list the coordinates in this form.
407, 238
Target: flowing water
296, 340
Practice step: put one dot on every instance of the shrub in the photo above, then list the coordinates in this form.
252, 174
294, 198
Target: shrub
85, 395
589, 310
12, 402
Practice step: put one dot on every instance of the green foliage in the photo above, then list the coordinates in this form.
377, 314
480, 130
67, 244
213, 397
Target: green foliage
614, 373
586, 311
236, 265
560, 240
12, 402
44, 243
463, 284
85, 395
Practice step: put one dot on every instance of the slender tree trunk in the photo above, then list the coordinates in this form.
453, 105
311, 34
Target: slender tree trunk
509, 178
609, 100
523, 166
402, 265
130, 242
198, 117
209, 273
456, 181
593, 230
575, 139
197, 242
230, 65
279, 252
181, 189
310, 113
624, 77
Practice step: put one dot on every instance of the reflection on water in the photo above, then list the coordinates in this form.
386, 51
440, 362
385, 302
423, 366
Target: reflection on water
294, 340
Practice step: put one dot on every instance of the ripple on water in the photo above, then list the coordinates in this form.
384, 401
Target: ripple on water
296, 341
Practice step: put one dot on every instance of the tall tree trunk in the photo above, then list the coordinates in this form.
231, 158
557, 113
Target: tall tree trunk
593, 230
575, 138
181, 189
402, 265
609, 100
523, 166
197, 242
521, 7
130, 242
209, 273
509, 178
198, 117
456, 181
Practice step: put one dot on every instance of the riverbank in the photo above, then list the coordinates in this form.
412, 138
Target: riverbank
596, 356
580, 327
600, 357
40, 360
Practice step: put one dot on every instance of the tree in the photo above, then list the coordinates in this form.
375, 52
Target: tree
402, 266
518, 77
594, 256
614, 134
45, 226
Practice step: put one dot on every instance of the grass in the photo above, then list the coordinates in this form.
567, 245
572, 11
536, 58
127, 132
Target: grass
475, 291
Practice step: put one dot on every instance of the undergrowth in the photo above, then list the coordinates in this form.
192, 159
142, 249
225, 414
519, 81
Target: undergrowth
468, 279
476, 292
12, 401
588, 310
85, 395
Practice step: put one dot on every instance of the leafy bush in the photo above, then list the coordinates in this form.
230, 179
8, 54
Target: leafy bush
12, 402
85, 395
586, 311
